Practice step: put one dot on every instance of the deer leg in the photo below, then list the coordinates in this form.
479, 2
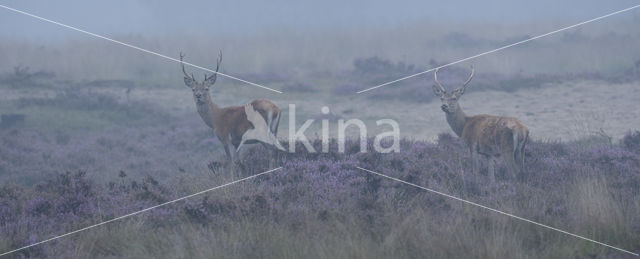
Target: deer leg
510, 160
521, 155
236, 155
226, 151
516, 159
475, 162
228, 148
232, 155
492, 169
521, 160
518, 162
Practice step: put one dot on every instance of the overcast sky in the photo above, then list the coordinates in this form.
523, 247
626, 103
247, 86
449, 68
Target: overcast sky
146, 17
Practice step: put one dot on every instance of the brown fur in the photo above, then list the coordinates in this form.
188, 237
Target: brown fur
236, 123
487, 135
230, 123
493, 137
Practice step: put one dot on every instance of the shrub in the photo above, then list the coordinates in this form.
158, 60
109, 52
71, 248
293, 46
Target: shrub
22, 77
631, 141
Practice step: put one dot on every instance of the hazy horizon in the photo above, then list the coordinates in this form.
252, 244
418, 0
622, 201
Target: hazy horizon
162, 18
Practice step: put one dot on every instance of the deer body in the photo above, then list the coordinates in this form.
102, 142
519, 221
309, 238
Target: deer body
487, 135
233, 120
229, 123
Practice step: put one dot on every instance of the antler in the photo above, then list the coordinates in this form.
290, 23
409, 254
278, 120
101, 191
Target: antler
470, 77
435, 77
215, 75
183, 70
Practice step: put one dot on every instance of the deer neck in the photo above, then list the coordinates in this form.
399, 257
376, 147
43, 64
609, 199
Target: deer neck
457, 120
209, 112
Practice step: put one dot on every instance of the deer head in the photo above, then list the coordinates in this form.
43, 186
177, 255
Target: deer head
450, 100
200, 89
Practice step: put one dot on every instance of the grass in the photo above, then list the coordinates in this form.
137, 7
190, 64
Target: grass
320, 206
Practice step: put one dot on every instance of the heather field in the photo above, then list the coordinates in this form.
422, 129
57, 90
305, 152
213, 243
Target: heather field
320, 205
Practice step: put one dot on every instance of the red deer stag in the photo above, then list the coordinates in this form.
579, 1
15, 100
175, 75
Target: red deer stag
230, 123
487, 135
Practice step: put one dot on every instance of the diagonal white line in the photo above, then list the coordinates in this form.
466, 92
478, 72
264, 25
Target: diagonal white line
135, 47
503, 47
494, 210
138, 212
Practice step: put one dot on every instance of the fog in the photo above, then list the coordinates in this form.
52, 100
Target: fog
91, 130
300, 39
123, 17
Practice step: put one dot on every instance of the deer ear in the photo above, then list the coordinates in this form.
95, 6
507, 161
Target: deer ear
437, 91
189, 82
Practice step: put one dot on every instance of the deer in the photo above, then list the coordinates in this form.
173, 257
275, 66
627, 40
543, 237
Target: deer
487, 135
230, 124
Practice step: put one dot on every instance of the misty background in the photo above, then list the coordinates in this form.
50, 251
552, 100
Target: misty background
312, 39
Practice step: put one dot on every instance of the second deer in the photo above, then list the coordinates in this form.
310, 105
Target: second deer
487, 135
